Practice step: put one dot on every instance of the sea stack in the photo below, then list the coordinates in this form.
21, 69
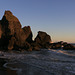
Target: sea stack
42, 40
13, 36
11, 33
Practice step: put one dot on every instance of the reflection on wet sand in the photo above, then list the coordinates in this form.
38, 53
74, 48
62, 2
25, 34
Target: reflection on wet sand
44, 62
7, 71
26, 69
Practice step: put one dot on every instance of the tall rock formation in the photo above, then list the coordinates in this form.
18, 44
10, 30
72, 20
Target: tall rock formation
13, 36
11, 33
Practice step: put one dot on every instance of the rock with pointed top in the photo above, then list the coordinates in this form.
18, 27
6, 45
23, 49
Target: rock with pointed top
11, 27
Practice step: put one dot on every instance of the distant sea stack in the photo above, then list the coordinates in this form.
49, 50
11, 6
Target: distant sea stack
13, 36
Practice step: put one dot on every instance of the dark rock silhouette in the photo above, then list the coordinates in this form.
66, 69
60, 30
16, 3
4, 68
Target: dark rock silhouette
35, 46
13, 36
42, 39
62, 45
57, 45
69, 47
11, 33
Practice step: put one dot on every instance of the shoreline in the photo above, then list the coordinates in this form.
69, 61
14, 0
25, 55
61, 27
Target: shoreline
44, 62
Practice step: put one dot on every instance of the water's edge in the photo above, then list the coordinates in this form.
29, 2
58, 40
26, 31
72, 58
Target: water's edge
44, 62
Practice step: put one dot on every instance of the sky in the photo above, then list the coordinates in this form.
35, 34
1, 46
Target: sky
56, 17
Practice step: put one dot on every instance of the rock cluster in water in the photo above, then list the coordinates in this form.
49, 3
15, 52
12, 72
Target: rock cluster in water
62, 45
13, 36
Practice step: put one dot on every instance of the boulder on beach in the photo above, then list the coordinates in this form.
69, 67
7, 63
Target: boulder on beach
35, 46
57, 45
62, 45
69, 47
43, 39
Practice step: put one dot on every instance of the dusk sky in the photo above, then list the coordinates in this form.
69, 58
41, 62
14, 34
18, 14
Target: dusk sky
56, 17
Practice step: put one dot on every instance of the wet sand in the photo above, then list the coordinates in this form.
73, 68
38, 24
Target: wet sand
5, 71
44, 62
26, 69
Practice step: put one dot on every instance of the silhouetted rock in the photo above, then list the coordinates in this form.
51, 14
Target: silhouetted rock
65, 43
0, 30
11, 33
43, 39
28, 33
62, 45
57, 45
13, 36
27, 46
35, 46
24, 36
69, 47
11, 43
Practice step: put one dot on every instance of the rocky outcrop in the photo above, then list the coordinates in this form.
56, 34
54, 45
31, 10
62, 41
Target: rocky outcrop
69, 47
57, 45
13, 36
42, 39
35, 46
11, 33
0, 30
28, 33
62, 45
